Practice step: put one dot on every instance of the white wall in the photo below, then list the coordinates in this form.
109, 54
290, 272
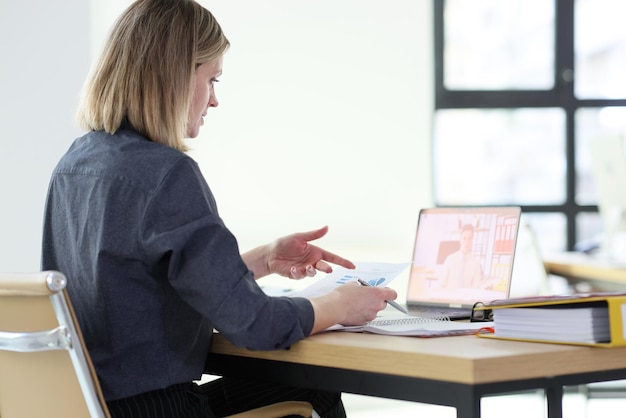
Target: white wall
43, 50
324, 118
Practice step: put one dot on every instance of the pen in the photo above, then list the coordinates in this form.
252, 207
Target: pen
391, 302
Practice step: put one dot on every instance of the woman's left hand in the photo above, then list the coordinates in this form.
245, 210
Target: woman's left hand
294, 257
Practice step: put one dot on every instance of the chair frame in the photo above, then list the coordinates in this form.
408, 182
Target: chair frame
66, 336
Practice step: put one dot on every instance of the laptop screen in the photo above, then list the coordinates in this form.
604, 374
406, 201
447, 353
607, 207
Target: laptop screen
463, 255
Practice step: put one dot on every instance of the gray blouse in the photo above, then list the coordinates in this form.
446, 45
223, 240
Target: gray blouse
151, 267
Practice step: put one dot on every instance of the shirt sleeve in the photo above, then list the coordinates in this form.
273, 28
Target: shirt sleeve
187, 242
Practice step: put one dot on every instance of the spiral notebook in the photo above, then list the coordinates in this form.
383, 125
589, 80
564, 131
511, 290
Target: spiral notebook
415, 326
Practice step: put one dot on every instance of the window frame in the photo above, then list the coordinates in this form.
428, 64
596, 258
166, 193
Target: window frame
560, 96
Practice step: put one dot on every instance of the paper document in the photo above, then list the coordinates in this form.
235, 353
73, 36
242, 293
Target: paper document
376, 274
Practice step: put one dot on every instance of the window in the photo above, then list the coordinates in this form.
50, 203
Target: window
521, 87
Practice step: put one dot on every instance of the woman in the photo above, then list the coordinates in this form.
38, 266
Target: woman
152, 268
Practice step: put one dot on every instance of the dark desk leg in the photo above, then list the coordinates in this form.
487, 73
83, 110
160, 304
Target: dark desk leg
554, 396
469, 408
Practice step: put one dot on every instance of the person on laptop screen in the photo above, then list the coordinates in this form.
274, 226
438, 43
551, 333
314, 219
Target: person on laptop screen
462, 269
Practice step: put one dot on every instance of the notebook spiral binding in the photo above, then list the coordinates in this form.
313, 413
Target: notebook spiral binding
411, 320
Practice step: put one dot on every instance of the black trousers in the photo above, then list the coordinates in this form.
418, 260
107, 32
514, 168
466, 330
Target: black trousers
219, 398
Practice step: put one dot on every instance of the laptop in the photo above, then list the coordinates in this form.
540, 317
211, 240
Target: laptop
462, 255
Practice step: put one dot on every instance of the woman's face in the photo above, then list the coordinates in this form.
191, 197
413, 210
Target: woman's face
203, 95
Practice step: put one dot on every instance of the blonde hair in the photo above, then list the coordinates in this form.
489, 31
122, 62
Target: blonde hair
146, 72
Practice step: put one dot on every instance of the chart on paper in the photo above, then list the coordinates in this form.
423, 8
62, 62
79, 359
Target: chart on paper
376, 274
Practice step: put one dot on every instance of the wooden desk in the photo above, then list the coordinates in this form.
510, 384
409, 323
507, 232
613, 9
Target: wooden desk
451, 371
577, 267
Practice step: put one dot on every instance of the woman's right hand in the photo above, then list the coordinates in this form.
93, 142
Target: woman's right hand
350, 304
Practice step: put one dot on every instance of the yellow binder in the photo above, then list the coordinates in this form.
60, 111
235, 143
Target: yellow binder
547, 319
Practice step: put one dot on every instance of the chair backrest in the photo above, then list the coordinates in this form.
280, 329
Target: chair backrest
45, 370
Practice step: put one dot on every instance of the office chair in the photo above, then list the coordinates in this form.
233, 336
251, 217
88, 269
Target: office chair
45, 370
